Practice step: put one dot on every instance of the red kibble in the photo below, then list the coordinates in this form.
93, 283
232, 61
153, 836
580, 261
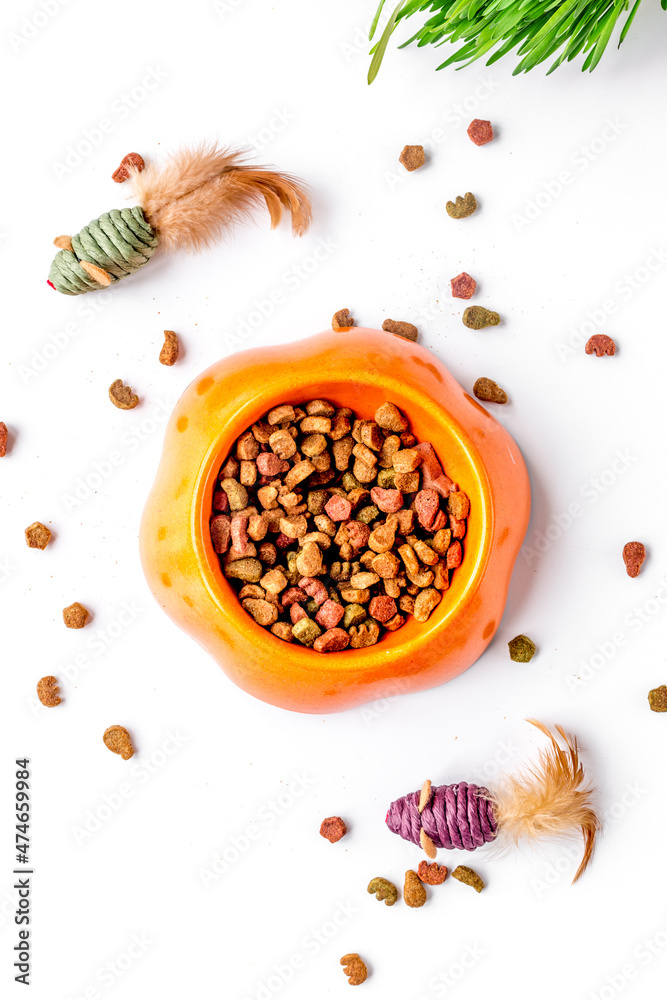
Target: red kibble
388, 501
480, 131
283, 541
454, 555
382, 608
239, 532
358, 534
427, 505
314, 588
296, 613
600, 344
332, 829
295, 595
332, 641
268, 464
133, 161
221, 501
338, 508
463, 286
220, 533
329, 614
458, 527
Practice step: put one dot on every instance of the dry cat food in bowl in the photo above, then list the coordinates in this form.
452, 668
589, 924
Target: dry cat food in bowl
360, 372
334, 529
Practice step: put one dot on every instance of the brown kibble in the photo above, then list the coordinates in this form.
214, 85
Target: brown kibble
366, 634
169, 351
600, 344
37, 535
431, 874
489, 391
414, 892
634, 554
236, 494
122, 395
3, 439
118, 740
354, 968
75, 616
458, 505
657, 699
342, 320
333, 828
283, 444
406, 330
47, 691
383, 889
462, 207
480, 131
469, 877
477, 318
425, 602
264, 612
463, 286
131, 163
281, 414
220, 528
412, 157
390, 418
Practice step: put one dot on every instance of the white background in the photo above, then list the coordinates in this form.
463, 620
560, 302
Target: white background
591, 431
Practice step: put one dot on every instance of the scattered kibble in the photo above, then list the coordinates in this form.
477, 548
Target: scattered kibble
414, 892
133, 161
333, 829
122, 395
657, 699
463, 286
522, 649
3, 439
75, 616
600, 344
342, 320
480, 131
412, 157
489, 391
433, 874
384, 890
634, 554
462, 207
468, 877
48, 692
354, 968
170, 348
333, 529
37, 535
402, 329
118, 740
477, 317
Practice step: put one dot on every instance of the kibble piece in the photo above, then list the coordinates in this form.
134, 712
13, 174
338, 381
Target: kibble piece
477, 318
425, 602
433, 874
412, 157
458, 505
3, 439
220, 527
306, 630
169, 350
414, 892
383, 890
298, 473
462, 207
657, 699
489, 391
354, 968
37, 535
333, 828
402, 329
75, 616
274, 582
354, 614
332, 641
522, 649
480, 131
389, 417
382, 538
131, 162
600, 345
406, 460
264, 612
283, 631
118, 740
47, 691
247, 447
382, 608
463, 286
283, 444
249, 570
464, 874
236, 494
634, 554
342, 320
281, 414
366, 634
122, 395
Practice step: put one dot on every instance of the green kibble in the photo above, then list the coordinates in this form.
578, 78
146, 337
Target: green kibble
462, 207
469, 877
350, 482
312, 607
355, 614
657, 699
236, 493
306, 631
248, 570
386, 479
292, 572
477, 317
368, 514
522, 649
316, 501
383, 889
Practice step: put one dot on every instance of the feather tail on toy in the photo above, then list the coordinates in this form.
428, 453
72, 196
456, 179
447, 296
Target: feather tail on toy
549, 798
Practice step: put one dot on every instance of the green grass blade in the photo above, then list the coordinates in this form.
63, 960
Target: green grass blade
631, 17
381, 47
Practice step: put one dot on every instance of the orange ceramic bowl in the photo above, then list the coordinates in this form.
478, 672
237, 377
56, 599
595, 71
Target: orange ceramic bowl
359, 369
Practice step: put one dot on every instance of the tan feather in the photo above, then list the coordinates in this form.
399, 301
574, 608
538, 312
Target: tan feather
549, 799
203, 192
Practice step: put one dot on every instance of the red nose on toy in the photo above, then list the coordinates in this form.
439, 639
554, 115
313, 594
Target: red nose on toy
51, 283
